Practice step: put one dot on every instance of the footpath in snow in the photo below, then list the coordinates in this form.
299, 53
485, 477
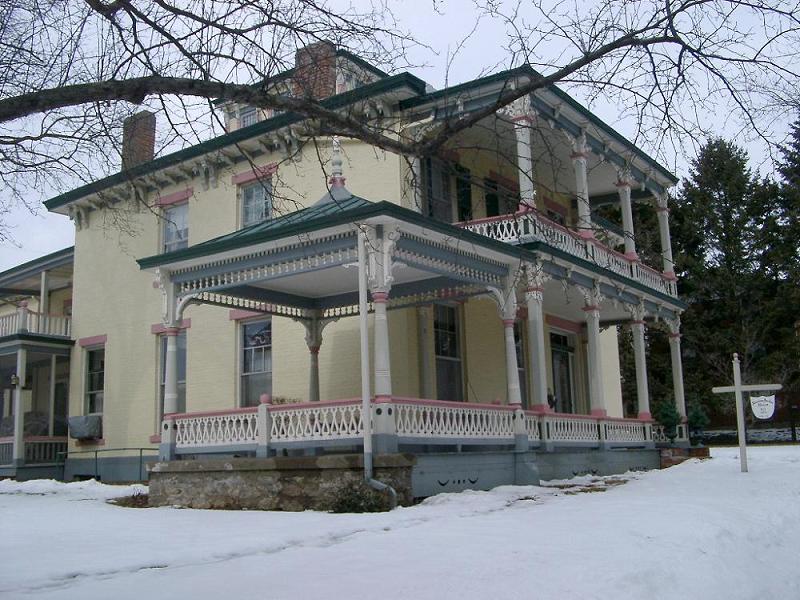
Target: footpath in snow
699, 530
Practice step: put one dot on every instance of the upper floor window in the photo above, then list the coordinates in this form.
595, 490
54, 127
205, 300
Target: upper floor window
95, 380
498, 200
176, 227
248, 115
463, 193
437, 185
256, 202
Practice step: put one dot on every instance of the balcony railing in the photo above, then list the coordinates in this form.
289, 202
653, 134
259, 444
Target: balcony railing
24, 321
530, 226
413, 421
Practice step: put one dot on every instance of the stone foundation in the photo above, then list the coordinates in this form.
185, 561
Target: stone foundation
281, 483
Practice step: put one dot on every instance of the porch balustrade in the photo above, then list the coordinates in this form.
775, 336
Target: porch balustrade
24, 321
416, 421
531, 226
39, 450
217, 429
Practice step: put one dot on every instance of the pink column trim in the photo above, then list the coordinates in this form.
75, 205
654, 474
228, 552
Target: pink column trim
645, 416
599, 412
380, 297
508, 322
265, 399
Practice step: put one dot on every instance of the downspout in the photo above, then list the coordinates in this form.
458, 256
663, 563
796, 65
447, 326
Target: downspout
366, 409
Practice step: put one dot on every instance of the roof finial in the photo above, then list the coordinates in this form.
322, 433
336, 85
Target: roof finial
336, 179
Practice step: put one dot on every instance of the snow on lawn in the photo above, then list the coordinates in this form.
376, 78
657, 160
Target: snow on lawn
698, 530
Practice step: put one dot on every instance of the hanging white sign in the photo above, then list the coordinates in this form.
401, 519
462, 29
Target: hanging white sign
763, 406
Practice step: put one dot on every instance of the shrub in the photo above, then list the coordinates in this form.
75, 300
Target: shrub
357, 497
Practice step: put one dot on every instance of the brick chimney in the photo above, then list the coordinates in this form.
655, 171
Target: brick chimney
138, 139
315, 71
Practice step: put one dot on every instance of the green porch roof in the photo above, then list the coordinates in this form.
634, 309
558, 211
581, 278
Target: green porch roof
354, 209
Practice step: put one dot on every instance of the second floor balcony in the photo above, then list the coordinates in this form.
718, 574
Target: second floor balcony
530, 226
24, 321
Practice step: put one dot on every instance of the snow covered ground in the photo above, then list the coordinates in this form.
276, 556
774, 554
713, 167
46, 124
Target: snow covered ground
699, 530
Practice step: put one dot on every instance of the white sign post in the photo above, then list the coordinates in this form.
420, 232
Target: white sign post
737, 388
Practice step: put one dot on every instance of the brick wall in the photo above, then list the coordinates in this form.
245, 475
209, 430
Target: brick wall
315, 71
138, 139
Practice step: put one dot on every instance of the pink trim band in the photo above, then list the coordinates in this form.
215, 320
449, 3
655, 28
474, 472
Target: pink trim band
160, 328
380, 297
599, 412
237, 314
508, 322
645, 416
561, 323
575, 155
590, 308
510, 184
254, 174
95, 340
175, 197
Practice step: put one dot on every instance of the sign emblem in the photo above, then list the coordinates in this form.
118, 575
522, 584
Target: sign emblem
763, 406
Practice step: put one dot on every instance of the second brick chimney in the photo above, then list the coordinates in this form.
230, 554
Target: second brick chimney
138, 139
315, 71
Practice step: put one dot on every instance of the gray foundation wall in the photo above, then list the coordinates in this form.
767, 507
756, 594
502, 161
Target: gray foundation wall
572, 463
280, 483
111, 469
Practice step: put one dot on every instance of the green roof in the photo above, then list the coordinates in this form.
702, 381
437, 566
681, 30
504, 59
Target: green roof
528, 71
32, 267
332, 213
381, 86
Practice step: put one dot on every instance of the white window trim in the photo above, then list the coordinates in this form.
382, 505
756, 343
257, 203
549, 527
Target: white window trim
265, 183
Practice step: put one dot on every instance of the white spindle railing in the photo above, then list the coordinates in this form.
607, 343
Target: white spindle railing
437, 419
562, 428
6, 451
533, 427
232, 428
319, 421
530, 226
30, 322
624, 431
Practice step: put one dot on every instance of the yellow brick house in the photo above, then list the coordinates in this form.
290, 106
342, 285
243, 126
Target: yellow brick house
223, 319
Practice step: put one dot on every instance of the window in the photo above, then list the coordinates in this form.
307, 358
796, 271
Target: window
256, 202
562, 350
518, 344
248, 115
499, 201
556, 217
181, 339
447, 349
256, 361
176, 227
437, 181
95, 380
463, 193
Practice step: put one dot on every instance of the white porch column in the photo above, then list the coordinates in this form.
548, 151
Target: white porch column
639, 356
520, 112
18, 449
580, 155
383, 374
624, 190
597, 401
423, 333
534, 298
314, 327
507, 304
662, 212
52, 396
44, 295
171, 371
677, 368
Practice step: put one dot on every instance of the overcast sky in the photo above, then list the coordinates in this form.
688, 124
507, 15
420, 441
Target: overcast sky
443, 30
